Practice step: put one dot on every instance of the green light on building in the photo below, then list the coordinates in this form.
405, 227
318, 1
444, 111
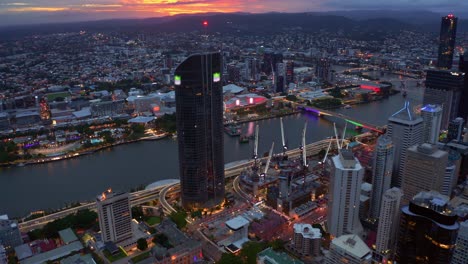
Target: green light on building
177, 80
216, 77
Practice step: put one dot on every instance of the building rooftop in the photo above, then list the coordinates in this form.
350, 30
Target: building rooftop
67, 236
237, 222
78, 259
54, 254
307, 231
353, 246
274, 257
23, 251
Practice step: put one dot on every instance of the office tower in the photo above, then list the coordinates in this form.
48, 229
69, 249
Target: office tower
322, 70
306, 240
199, 110
349, 249
270, 59
448, 33
452, 171
432, 118
344, 195
388, 224
10, 235
428, 229
382, 172
252, 67
463, 67
115, 216
289, 72
3, 255
233, 73
424, 170
444, 88
405, 129
460, 255
455, 129
280, 77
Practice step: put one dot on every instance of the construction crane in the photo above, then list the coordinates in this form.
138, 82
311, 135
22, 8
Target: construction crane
303, 147
343, 135
255, 153
267, 165
285, 147
338, 145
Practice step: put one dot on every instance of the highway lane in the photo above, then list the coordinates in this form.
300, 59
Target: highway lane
135, 199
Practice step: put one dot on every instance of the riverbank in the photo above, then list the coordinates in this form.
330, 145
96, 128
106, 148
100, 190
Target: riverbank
21, 163
259, 118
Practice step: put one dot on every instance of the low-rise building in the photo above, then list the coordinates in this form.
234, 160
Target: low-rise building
306, 240
349, 249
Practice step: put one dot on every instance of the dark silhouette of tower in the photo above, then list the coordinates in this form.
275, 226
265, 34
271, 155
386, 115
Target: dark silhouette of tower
448, 32
199, 110
463, 67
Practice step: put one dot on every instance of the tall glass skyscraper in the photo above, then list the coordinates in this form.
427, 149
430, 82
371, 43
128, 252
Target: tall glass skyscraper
448, 32
199, 106
428, 230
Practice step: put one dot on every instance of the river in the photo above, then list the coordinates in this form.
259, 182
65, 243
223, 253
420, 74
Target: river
52, 185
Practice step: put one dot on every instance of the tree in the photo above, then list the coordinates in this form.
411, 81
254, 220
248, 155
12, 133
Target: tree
179, 218
277, 244
250, 250
228, 258
142, 244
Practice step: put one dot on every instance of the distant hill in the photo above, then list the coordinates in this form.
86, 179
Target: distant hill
353, 23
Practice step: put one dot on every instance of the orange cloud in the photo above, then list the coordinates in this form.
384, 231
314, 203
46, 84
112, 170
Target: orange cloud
144, 8
37, 9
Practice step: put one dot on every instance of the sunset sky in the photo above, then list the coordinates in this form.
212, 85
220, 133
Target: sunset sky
32, 11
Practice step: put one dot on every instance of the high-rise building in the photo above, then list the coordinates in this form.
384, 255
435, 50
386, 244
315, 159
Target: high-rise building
460, 255
388, 224
199, 110
289, 72
428, 230
443, 87
10, 235
323, 70
382, 173
252, 67
432, 118
405, 129
463, 67
424, 170
448, 33
306, 240
280, 78
3, 255
115, 216
270, 59
349, 249
452, 171
344, 195
455, 129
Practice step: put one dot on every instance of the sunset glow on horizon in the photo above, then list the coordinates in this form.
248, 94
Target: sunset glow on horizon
27, 11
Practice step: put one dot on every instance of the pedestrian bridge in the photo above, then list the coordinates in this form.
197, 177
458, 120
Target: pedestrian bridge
351, 120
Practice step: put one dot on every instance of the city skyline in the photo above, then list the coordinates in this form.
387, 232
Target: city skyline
33, 11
